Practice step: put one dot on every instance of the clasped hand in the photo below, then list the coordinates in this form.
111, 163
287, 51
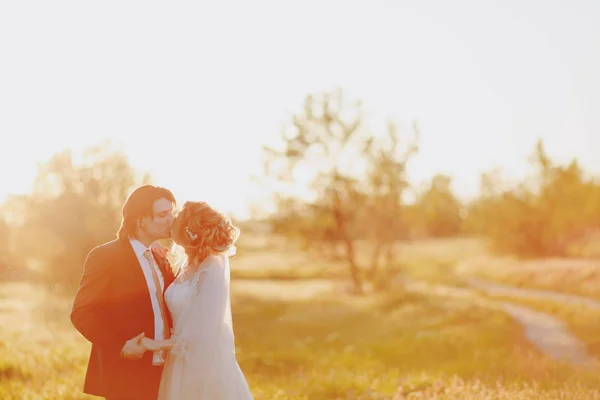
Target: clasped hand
135, 348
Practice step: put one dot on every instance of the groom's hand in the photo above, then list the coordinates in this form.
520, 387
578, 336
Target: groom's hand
133, 349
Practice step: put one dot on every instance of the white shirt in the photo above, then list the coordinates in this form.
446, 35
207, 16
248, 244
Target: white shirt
139, 249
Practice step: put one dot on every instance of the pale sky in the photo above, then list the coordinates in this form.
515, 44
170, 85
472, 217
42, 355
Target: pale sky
191, 90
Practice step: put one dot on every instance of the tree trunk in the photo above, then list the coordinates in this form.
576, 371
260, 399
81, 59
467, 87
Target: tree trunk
348, 241
375, 260
389, 256
354, 270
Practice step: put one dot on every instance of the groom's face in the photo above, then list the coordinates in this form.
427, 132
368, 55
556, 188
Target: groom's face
159, 225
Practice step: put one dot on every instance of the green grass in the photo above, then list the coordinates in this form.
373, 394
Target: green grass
331, 347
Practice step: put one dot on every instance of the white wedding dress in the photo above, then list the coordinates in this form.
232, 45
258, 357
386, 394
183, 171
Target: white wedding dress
202, 364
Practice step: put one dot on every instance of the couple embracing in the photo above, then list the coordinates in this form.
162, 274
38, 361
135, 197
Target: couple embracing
154, 334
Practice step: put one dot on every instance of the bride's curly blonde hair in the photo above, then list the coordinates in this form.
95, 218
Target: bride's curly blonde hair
201, 230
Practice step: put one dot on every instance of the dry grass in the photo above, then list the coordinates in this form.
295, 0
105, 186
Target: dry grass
328, 347
307, 339
573, 276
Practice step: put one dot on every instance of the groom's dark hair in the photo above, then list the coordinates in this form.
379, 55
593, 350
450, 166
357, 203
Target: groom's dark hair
140, 204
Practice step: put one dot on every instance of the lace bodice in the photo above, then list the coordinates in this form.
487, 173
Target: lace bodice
178, 298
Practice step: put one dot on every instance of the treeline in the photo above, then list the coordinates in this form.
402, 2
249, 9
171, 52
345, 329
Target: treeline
554, 212
355, 188
73, 207
336, 183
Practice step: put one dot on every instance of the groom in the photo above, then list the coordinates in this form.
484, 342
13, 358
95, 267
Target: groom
120, 300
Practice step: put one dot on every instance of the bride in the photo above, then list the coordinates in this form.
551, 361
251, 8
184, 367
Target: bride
201, 363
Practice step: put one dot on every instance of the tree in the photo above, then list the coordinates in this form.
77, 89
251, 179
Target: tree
4, 245
387, 184
327, 141
74, 208
543, 214
338, 183
437, 209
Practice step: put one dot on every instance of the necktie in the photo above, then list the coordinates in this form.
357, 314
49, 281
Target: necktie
161, 304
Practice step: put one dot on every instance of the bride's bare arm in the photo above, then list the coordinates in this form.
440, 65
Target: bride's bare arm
156, 345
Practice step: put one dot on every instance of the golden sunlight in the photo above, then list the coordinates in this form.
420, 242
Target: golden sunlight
428, 225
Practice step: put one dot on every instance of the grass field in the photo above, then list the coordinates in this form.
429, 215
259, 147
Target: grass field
310, 340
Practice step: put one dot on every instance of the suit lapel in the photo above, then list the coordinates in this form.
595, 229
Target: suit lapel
133, 263
139, 279
135, 269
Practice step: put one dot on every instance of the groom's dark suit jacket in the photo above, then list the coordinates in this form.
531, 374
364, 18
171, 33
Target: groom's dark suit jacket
113, 305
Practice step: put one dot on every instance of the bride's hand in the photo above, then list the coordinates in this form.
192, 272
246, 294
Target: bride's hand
167, 344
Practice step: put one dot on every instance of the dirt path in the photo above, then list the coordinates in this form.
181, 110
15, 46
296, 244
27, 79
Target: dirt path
548, 334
